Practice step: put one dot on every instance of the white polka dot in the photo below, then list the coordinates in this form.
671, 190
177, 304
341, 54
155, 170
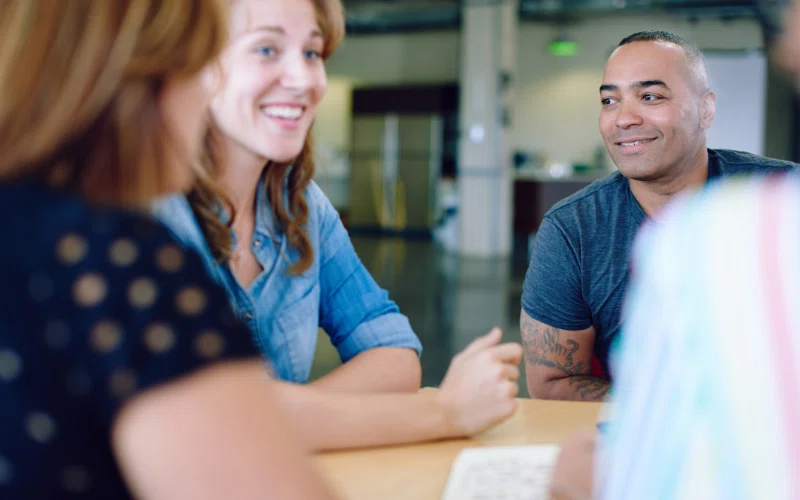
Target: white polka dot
191, 301
169, 259
40, 426
40, 287
142, 293
56, 335
123, 252
10, 365
106, 336
6, 470
89, 290
159, 338
71, 249
209, 344
75, 479
122, 383
79, 383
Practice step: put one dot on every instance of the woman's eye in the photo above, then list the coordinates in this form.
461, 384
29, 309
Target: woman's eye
266, 51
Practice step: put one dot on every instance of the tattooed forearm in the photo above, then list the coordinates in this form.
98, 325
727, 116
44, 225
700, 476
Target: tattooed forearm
589, 388
543, 346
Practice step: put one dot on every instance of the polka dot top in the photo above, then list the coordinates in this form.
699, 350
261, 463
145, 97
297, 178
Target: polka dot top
95, 305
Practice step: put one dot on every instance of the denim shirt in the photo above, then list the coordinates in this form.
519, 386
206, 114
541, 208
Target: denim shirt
285, 311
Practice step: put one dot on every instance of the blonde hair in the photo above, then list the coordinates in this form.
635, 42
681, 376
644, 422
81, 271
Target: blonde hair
293, 177
81, 81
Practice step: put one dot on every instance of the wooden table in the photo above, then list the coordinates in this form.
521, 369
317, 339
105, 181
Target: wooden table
419, 472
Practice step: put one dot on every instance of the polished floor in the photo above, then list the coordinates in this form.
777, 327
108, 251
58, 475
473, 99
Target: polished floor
448, 299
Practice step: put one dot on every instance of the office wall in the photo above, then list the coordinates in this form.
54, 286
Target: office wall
381, 60
556, 98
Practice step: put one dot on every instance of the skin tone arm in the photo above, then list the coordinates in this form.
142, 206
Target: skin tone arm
558, 363
381, 369
477, 393
218, 431
574, 470
210, 434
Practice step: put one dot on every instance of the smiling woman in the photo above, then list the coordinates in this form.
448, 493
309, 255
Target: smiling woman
273, 239
292, 268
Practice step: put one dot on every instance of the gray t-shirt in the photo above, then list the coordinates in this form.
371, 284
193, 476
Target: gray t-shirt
579, 269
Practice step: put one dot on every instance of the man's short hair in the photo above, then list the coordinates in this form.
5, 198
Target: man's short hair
693, 55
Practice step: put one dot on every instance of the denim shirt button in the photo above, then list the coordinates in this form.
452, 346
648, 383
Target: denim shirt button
248, 315
257, 243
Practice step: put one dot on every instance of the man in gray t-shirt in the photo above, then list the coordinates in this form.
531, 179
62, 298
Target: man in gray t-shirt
656, 108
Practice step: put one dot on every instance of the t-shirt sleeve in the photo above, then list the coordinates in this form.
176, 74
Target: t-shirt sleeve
121, 310
552, 291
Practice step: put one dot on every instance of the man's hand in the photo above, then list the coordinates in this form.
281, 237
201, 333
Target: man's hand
574, 469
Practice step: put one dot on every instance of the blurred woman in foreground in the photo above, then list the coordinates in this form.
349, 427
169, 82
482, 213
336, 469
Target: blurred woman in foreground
119, 359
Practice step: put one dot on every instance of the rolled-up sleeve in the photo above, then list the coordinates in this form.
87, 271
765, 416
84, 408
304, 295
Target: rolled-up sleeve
355, 311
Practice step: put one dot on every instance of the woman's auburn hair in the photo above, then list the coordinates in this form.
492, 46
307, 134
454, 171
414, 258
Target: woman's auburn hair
280, 179
81, 84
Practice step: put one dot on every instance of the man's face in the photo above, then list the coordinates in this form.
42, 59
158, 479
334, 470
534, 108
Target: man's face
654, 112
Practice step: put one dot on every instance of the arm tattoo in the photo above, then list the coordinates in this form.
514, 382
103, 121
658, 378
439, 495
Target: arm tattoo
590, 388
543, 346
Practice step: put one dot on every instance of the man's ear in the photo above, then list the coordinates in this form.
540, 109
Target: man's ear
708, 110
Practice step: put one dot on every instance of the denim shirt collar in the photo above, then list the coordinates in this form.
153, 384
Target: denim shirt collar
265, 225
265, 221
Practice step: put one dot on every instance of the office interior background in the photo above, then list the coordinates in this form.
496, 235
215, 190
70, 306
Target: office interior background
450, 127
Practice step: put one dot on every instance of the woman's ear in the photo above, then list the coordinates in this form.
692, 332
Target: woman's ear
212, 78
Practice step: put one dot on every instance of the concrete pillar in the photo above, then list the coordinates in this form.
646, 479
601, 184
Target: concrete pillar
488, 57
488, 43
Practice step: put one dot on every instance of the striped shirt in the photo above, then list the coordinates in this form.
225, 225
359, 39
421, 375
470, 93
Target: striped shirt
707, 393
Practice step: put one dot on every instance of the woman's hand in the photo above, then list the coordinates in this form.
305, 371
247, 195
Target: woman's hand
479, 388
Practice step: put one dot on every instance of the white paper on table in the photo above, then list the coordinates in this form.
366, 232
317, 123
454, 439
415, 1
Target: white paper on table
502, 473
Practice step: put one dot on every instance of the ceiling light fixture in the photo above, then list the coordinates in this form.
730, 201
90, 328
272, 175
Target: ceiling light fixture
563, 45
